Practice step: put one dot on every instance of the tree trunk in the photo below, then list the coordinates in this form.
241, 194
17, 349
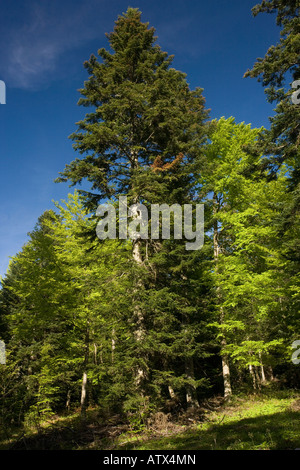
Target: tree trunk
270, 373
225, 361
138, 312
253, 375
113, 346
83, 394
262, 369
68, 399
258, 379
171, 392
226, 373
83, 399
191, 397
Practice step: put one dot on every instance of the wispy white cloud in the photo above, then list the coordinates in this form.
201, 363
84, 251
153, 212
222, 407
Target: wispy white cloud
42, 35
34, 47
29, 63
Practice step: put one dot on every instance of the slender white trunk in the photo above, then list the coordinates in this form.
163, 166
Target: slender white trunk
83, 399
226, 373
83, 392
224, 357
171, 392
68, 400
113, 346
262, 369
252, 373
95, 353
138, 312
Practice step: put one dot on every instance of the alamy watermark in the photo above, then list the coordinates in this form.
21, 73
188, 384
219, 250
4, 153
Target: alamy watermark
2, 92
2, 353
295, 358
296, 94
138, 227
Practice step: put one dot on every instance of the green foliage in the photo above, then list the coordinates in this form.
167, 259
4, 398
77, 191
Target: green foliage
142, 109
280, 144
279, 68
260, 422
135, 326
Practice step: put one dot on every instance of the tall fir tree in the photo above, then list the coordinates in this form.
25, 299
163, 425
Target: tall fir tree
141, 141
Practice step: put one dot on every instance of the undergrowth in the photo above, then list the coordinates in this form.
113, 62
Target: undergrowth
265, 421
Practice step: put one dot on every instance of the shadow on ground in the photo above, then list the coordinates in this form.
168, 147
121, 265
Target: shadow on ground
278, 431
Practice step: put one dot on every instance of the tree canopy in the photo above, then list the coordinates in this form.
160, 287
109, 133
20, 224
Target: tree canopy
134, 325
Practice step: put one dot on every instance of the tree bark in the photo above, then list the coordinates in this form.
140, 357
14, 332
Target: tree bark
258, 379
191, 398
262, 369
83, 393
137, 310
270, 373
226, 373
113, 346
171, 392
224, 357
138, 313
68, 399
83, 398
95, 354
253, 375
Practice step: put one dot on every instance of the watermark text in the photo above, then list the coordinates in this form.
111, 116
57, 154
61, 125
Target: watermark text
296, 94
2, 92
295, 358
162, 217
2, 353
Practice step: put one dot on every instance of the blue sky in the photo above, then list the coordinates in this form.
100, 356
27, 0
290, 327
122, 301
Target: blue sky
43, 46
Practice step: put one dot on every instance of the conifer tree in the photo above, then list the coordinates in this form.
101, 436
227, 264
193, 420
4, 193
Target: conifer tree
140, 141
278, 71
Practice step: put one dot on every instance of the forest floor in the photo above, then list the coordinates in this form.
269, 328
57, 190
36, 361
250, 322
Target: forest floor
260, 421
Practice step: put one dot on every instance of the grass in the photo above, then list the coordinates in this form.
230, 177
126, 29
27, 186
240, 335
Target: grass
253, 423
262, 421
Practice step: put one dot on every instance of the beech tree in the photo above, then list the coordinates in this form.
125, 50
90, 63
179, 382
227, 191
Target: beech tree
62, 317
248, 271
279, 73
